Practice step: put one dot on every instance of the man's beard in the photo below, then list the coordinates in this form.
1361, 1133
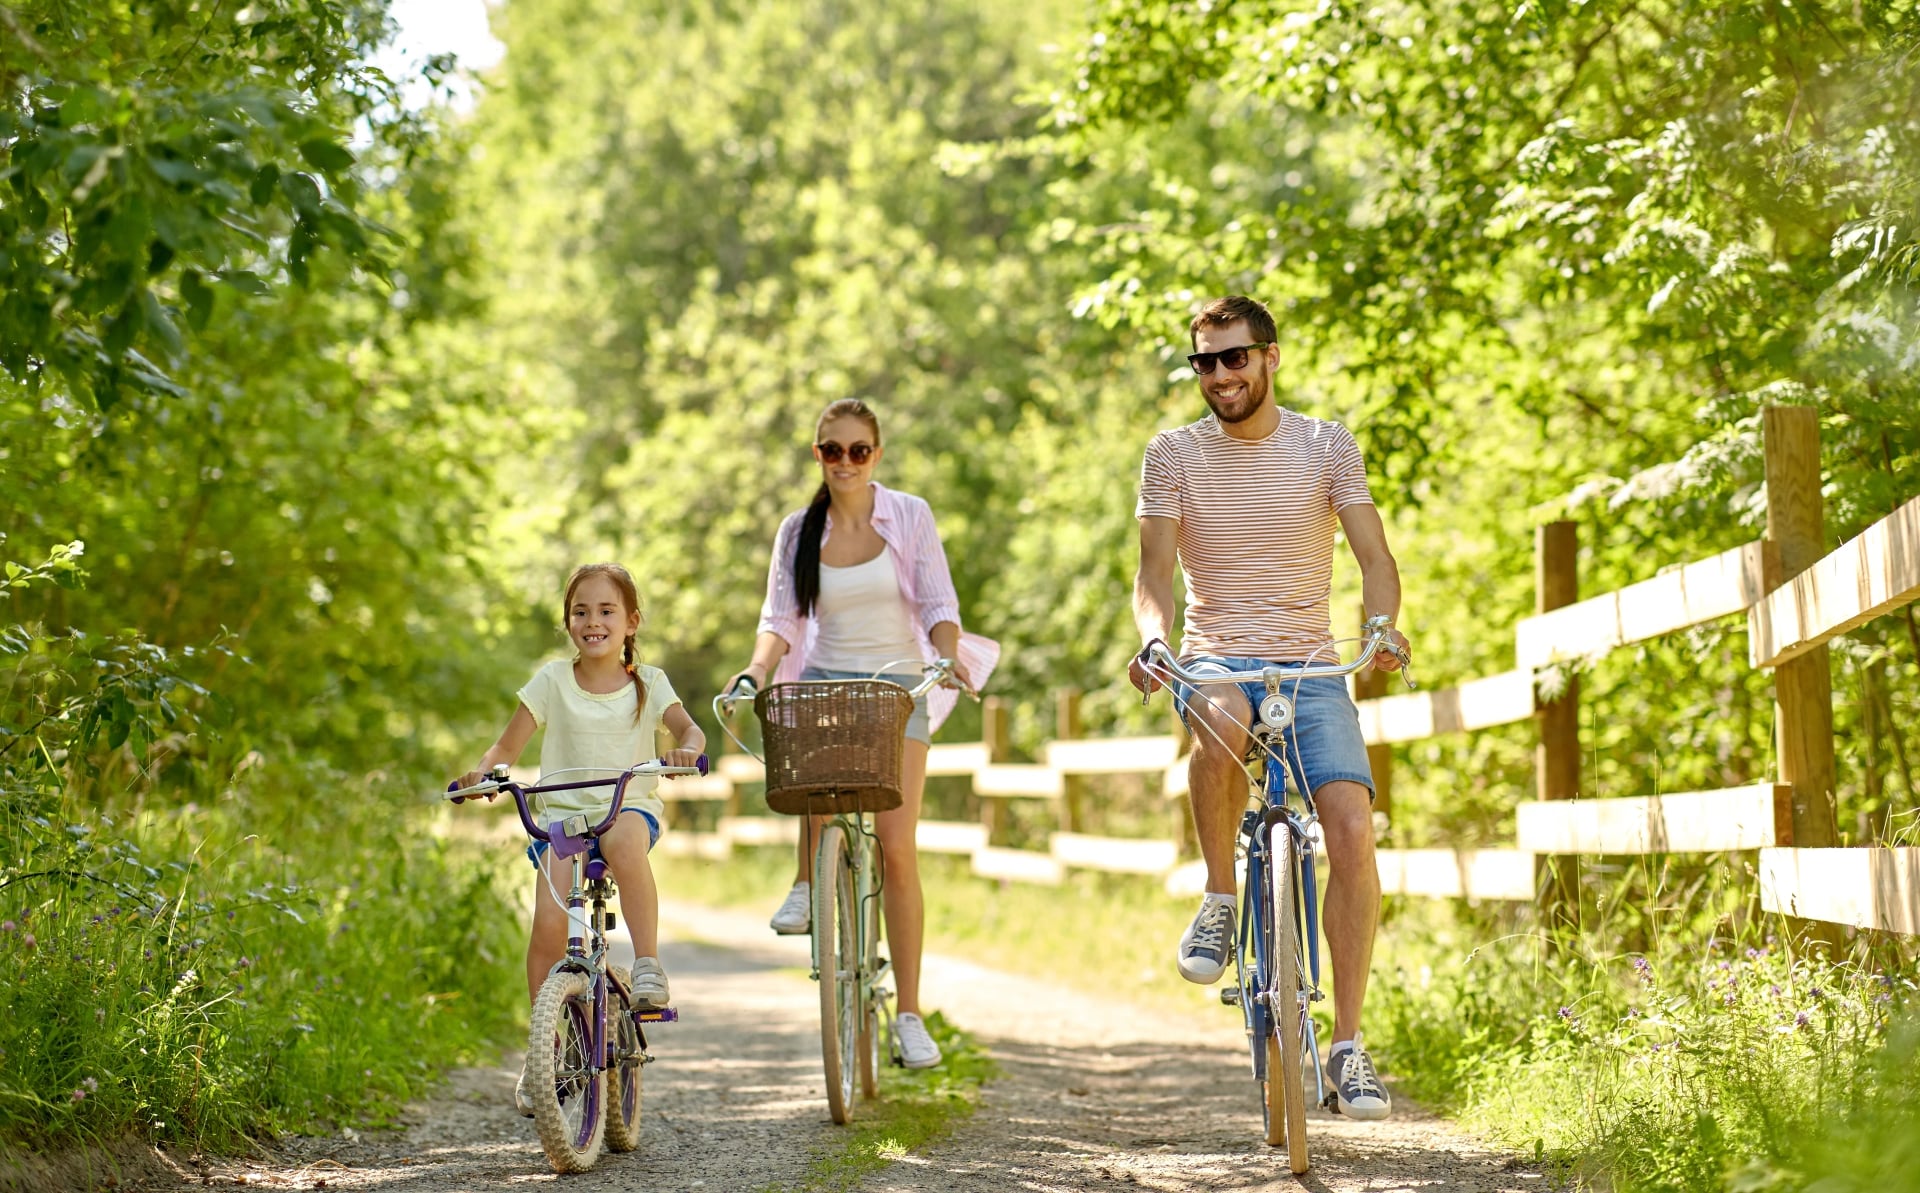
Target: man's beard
1254, 398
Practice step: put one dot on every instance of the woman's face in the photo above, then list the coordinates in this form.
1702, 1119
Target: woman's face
853, 437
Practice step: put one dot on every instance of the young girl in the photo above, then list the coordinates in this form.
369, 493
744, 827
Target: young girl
600, 710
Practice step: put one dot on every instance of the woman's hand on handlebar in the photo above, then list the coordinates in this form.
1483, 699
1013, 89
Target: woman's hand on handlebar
960, 679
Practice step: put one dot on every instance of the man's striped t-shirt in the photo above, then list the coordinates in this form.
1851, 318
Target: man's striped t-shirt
1257, 522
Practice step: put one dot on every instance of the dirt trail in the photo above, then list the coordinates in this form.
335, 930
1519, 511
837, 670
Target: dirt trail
1095, 1094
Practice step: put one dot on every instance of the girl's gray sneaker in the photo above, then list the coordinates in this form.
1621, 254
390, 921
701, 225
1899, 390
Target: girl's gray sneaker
520, 1100
648, 982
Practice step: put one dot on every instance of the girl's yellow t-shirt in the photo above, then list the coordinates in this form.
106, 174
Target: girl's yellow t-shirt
594, 735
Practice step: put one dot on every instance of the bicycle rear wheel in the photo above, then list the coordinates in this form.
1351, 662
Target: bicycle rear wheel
835, 941
1284, 1091
624, 1065
566, 1089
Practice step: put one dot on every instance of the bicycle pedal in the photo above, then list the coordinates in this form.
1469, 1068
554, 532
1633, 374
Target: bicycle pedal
1230, 996
657, 1015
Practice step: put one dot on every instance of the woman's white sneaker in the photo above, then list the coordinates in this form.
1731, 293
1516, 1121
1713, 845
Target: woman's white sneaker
795, 917
917, 1049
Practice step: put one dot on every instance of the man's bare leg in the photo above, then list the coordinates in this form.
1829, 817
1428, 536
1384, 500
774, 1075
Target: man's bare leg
1352, 904
1217, 780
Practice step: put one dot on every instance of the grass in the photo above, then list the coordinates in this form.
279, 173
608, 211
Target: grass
285, 959
915, 1108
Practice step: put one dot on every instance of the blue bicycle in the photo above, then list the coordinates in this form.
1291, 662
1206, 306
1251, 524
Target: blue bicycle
1277, 955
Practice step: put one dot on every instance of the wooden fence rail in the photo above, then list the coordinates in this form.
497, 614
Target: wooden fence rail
1795, 599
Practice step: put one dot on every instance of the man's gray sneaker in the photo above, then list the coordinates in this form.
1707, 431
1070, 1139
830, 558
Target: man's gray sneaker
1207, 945
795, 917
648, 982
1357, 1091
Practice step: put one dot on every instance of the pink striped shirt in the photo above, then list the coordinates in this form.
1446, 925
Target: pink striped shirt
905, 523
1256, 530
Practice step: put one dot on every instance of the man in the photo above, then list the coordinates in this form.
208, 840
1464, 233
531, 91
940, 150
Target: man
1246, 500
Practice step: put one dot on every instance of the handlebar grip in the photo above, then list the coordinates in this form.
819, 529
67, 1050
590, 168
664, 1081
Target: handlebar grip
455, 786
703, 764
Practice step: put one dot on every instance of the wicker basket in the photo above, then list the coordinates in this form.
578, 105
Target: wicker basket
833, 746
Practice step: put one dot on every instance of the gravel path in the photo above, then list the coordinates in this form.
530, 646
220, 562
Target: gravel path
1093, 1095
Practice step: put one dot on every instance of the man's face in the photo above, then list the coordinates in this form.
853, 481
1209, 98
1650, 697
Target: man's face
1235, 395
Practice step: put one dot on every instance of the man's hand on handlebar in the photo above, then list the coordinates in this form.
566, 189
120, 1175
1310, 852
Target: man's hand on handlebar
1394, 651
1140, 675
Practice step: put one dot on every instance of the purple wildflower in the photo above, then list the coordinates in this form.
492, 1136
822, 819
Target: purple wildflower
8, 926
1802, 1019
79, 1095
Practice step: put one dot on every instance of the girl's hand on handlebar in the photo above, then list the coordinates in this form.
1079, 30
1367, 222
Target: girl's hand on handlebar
472, 778
680, 758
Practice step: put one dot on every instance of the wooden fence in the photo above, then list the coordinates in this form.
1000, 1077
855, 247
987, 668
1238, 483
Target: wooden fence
1795, 596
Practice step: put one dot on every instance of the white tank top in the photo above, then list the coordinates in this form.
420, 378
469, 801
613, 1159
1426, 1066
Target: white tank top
864, 623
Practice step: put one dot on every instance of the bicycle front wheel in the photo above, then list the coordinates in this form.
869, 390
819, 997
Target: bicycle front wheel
567, 1090
1286, 1099
836, 936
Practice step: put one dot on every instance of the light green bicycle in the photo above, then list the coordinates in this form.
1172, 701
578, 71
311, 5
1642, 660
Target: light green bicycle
832, 753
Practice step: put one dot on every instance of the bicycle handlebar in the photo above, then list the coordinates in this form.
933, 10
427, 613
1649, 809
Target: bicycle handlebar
520, 791
1155, 656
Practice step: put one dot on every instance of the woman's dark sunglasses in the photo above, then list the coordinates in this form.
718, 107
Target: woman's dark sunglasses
831, 452
1233, 358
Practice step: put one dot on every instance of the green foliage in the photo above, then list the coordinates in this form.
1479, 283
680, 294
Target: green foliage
179, 977
156, 154
1673, 1069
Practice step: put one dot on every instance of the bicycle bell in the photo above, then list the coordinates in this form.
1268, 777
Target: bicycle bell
1276, 711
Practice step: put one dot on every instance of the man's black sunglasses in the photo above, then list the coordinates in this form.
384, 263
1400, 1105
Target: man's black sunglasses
1233, 358
831, 452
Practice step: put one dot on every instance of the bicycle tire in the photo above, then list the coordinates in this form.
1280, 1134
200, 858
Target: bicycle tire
625, 1066
1285, 987
834, 907
567, 1092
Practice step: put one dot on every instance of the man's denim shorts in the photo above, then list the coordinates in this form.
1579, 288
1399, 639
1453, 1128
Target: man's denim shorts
919, 728
1324, 740
537, 849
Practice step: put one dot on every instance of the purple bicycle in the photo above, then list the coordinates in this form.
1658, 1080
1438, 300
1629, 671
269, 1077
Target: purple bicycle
585, 1032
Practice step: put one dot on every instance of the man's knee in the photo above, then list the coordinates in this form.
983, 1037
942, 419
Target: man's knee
1346, 817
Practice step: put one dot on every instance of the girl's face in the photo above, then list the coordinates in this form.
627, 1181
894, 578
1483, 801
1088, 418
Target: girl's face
853, 437
598, 619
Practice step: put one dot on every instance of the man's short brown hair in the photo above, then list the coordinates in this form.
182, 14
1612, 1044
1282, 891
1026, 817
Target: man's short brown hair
1222, 312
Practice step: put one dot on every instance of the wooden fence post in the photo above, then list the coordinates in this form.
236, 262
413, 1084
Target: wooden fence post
1803, 686
1066, 727
1368, 685
993, 734
1556, 556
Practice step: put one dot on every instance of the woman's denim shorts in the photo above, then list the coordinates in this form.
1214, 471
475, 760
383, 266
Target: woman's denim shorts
919, 728
1324, 744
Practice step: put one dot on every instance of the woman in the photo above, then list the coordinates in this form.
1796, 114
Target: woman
859, 581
